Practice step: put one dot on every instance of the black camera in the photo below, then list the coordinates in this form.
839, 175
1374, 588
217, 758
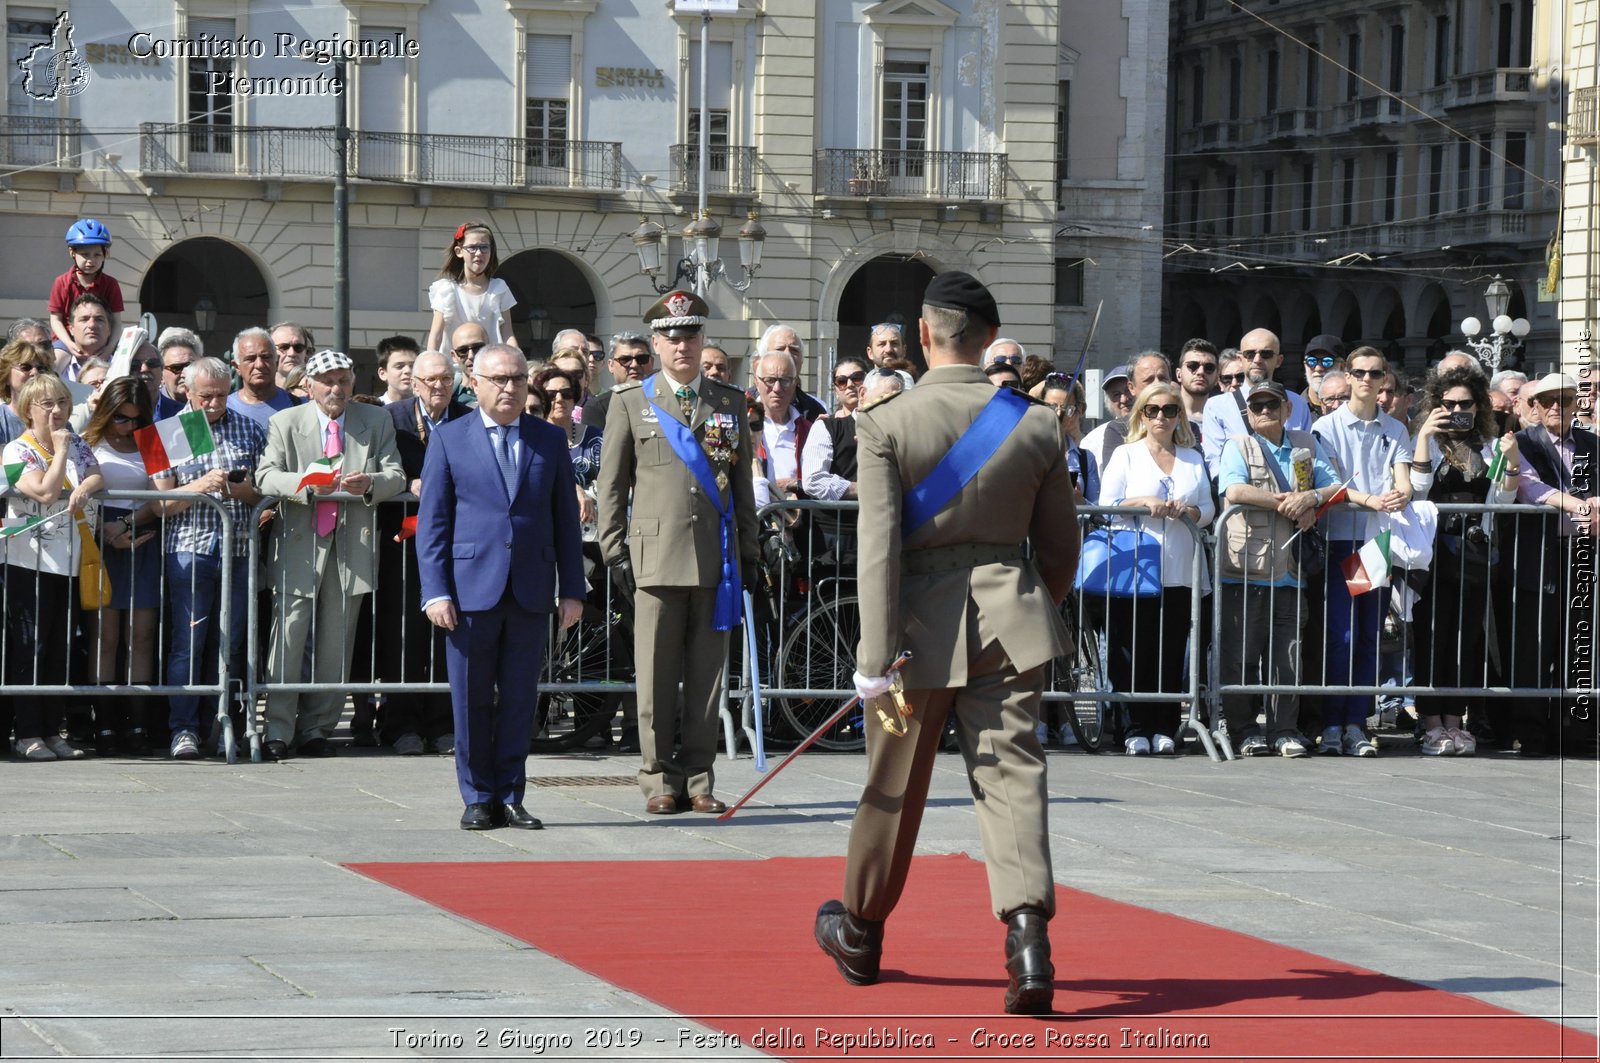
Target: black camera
236, 476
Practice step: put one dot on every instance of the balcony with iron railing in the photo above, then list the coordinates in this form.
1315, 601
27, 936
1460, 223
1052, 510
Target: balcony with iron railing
898, 174
1583, 121
40, 143
1458, 228
730, 171
284, 153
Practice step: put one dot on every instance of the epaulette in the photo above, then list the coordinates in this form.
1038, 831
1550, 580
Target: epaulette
628, 384
881, 399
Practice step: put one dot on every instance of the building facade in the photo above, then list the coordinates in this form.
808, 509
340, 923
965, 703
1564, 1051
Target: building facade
878, 142
1363, 171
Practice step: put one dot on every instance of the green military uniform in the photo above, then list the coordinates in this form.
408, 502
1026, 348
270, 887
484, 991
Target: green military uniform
981, 623
655, 513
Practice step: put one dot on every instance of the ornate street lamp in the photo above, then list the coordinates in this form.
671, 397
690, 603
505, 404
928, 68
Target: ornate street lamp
1507, 335
701, 263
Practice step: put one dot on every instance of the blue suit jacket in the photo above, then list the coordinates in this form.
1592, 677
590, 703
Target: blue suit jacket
473, 542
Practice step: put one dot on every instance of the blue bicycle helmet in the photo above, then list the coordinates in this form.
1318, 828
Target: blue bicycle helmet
86, 232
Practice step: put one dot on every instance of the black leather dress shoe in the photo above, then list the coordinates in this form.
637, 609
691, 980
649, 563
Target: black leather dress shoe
855, 944
478, 817
273, 749
1032, 987
518, 817
318, 747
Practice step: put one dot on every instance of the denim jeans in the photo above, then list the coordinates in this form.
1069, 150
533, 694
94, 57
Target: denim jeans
194, 587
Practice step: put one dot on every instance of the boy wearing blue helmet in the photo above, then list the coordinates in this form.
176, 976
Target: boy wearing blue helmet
88, 241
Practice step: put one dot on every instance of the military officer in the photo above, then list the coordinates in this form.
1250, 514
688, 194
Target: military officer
954, 475
679, 442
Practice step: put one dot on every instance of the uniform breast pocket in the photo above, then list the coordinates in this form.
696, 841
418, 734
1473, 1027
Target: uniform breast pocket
653, 449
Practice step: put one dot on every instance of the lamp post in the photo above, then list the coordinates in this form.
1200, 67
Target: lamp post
1507, 335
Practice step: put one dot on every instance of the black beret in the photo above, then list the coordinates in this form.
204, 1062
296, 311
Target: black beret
956, 290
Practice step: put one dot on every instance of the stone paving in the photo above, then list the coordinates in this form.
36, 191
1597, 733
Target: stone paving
150, 909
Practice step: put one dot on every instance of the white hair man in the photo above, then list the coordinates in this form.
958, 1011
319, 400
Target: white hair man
783, 339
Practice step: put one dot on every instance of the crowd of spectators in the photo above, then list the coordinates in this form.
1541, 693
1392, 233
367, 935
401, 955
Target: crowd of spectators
1181, 439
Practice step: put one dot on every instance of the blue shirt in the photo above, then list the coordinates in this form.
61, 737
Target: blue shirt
261, 412
1364, 454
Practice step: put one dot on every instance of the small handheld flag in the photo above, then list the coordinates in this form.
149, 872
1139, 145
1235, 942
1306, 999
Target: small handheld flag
324, 472
175, 441
1368, 569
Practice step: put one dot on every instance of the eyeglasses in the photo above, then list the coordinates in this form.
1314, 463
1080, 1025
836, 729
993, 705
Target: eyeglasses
477, 249
297, 348
595, 355
1458, 404
1258, 355
1169, 410
1066, 411
434, 381
1326, 361
468, 348
1200, 367
30, 367
850, 378
1232, 378
506, 383
552, 394
53, 404
176, 368
635, 359
776, 381
121, 418
146, 363
1334, 400
1366, 374
1265, 405
1006, 359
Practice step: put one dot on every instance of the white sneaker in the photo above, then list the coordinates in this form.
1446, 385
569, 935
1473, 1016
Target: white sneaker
1136, 747
1357, 744
1437, 743
1253, 746
1163, 744
1465, 742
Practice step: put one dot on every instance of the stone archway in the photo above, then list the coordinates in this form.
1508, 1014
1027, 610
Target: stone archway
553, 293
206, 270
886, 288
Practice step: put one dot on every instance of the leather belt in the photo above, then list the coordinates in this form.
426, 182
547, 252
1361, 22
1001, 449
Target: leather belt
957, 557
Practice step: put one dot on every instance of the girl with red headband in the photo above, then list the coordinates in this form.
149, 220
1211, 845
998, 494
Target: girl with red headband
468, 290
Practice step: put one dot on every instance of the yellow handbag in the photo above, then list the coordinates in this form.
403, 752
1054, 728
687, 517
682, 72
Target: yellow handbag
94, 585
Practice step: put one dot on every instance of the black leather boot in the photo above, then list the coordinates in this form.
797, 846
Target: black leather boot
855, 944
1032, 987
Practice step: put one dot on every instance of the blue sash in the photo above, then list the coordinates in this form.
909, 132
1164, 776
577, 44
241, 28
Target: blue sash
963, 460
730, 592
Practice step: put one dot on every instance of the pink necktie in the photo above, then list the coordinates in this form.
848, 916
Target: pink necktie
328, 512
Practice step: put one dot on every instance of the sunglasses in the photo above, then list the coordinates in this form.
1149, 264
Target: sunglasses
552, 394
1200, 367
1006, 359
1257, 355
850, 378
118, 418
1326, 361
1558, 399
468, 348
1366, 374
297, 348
1170, 410
635, 359
177, 367
1265, 405
1232, 378
1453, 405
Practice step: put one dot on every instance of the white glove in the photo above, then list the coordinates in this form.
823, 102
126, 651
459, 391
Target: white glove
871, 686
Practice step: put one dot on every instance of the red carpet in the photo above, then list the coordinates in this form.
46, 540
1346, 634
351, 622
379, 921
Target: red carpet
1131, 983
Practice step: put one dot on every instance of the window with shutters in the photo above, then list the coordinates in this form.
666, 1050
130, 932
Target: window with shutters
548, 97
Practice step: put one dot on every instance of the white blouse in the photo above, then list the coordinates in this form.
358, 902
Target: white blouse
459, 307
1132, 472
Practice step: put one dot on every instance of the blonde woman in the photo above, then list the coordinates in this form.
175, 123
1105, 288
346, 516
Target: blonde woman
1158, 468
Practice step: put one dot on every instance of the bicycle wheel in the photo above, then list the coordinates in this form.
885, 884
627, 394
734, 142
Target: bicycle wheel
1090, 721
590, 651
820, 654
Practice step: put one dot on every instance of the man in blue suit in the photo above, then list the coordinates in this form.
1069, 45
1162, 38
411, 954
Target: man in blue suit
497, 540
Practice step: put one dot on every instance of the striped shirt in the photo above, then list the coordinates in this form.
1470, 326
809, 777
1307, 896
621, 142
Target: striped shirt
198, 529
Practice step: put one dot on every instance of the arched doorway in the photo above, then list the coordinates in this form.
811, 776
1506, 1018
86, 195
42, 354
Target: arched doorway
552, 294
888, 288
206, 278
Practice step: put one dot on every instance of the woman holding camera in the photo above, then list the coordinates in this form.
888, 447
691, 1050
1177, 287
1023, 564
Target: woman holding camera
1455, 454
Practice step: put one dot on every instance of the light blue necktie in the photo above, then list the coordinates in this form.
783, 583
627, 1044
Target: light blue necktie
508, 465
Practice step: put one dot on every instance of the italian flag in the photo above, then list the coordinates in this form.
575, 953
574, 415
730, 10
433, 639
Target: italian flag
324, 472
174, 441
1497, 463
1368, 569
14, 473
17, 525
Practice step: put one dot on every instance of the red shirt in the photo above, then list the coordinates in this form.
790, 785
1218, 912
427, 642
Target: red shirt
66, 288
